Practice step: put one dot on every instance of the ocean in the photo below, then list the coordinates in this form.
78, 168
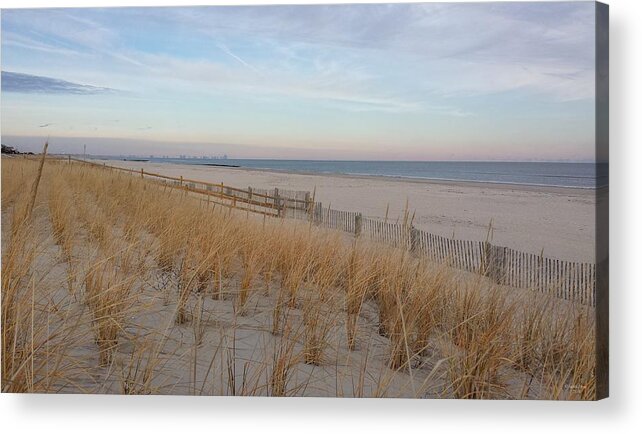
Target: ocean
573, 175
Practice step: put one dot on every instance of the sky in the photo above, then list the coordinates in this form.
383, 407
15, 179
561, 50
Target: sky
433, 81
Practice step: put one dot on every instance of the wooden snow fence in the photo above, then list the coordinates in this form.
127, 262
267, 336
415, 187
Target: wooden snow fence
574, 281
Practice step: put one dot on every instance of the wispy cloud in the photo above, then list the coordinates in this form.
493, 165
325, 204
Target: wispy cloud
12, 39
25, 83
237, 58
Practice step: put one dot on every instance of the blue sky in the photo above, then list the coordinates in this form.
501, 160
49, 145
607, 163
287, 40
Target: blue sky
486, 81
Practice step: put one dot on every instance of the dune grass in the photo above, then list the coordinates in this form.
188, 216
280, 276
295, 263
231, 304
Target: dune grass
116, 284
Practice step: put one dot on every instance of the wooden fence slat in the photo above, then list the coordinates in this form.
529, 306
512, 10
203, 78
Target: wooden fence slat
526, 270
587, 284
511, 272
514, 260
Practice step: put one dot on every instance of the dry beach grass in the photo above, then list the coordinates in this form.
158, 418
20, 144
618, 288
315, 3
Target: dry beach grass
115, 284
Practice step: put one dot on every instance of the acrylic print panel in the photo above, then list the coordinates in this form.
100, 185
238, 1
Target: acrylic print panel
392, 200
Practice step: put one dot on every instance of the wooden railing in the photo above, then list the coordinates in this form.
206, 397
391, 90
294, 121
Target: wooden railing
278, 204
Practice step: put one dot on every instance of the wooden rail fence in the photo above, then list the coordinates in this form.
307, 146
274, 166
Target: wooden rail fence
275, 203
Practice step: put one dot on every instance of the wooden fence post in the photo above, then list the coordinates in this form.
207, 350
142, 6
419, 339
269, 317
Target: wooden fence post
317, 215
500, 265
414, 239
277, 202
142, 173
357, 224
486, 259
308, 209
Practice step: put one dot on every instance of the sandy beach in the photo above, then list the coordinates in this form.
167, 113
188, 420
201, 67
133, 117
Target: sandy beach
559, 221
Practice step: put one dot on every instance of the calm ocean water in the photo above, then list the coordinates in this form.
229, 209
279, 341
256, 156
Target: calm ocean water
576, 175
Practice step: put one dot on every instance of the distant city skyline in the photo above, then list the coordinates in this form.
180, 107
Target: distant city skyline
433, 81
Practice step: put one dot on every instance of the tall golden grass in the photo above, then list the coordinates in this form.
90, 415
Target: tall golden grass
121, 285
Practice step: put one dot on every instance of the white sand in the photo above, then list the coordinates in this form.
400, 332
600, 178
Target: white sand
561, 221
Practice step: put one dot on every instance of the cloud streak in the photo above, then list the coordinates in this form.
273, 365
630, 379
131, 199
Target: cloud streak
237, 58
26, 83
